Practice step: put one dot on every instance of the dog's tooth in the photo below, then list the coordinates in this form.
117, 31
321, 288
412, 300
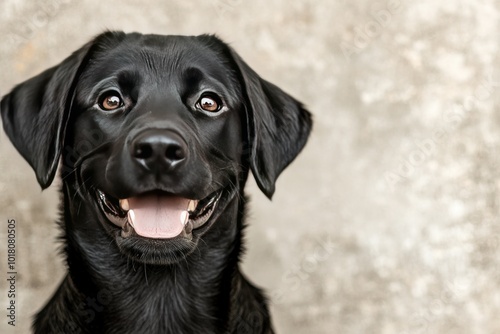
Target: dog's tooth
192, 205
131, 217
184, 217
124, 204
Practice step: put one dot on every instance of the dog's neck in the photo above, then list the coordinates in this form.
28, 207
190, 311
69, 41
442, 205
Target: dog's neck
181, 297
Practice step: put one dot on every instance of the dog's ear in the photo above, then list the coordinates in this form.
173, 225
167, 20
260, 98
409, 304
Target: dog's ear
277, 125
35, 112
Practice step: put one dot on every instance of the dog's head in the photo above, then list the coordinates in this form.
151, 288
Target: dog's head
156, 134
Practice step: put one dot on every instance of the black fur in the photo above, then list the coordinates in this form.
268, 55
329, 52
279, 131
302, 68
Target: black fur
132, 284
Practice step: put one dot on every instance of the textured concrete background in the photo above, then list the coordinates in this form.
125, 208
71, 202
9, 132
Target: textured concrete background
388, 221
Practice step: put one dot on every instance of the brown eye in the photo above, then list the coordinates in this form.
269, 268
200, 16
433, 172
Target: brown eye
210, 103
111, 101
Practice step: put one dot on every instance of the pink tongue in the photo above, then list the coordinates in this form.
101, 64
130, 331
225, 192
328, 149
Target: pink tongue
154, 216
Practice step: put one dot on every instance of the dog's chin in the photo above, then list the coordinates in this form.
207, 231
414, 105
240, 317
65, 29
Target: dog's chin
178, 223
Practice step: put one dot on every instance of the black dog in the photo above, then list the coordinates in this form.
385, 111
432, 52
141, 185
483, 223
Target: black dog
156, 135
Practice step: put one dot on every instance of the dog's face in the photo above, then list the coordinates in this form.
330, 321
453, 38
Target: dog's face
156, 136
167, 113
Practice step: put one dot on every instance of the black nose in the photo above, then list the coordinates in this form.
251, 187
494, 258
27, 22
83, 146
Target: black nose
158, 150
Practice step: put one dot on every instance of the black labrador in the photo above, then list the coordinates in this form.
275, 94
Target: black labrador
156, 136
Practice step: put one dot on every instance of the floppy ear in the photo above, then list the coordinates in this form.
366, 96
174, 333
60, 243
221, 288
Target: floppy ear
278, 127
36, 111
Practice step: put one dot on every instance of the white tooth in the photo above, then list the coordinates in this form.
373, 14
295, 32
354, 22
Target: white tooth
192, 205
124, 204
131, 217
184, 217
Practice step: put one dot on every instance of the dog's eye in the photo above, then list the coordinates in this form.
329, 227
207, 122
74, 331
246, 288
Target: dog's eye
210, 103
110, 101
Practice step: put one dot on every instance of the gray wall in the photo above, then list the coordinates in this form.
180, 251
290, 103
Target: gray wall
387, 222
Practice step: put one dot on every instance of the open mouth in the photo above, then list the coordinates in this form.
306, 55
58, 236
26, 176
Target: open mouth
158, 215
